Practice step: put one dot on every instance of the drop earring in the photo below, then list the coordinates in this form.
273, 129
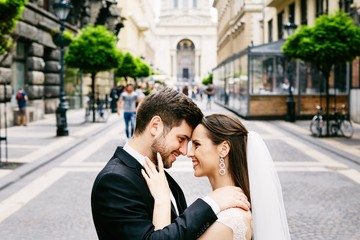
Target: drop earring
222, 170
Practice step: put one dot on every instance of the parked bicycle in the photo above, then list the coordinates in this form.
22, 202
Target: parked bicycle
340, 123
317, 123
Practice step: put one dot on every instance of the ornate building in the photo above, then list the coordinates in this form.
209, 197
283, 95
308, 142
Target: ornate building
138, 35
34, 62
186, 41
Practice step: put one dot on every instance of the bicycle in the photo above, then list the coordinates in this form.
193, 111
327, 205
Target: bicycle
317, 123
101, 113
341, 123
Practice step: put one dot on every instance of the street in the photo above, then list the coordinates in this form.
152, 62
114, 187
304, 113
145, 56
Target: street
49, 196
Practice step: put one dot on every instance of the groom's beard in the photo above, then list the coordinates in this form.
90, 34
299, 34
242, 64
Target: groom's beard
160, 146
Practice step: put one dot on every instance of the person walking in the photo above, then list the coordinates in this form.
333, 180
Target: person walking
121, 203
127, 102
209, 91
21, 98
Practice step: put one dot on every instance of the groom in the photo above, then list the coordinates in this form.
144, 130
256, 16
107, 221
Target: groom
122, 206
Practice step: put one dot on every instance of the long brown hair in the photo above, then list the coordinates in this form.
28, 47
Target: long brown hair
227, 128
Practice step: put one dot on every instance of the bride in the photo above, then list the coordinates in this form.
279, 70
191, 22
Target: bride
225, 152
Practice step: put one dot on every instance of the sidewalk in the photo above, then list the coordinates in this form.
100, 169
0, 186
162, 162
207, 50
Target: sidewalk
37, 144
349, 148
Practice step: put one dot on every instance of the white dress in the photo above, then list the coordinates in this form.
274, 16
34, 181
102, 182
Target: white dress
234, 219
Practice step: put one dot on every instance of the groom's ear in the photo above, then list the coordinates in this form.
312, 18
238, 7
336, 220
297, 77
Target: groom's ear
156, 126
224, 148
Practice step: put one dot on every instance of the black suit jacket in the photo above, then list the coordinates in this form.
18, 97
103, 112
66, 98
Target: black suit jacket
122, 205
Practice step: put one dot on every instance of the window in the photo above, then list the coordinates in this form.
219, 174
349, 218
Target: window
270, 31
194, 3
303, 12
280, 24
18, 69
319, 8
345, 5
292, 12
185, 73
176, 3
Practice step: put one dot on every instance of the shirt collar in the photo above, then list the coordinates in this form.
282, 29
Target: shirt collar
140, 158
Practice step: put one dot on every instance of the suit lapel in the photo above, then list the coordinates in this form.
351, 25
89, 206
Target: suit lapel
128, 160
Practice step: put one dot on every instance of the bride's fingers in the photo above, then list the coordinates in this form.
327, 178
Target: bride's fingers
151, 165
160, 162
148, 170
146, 177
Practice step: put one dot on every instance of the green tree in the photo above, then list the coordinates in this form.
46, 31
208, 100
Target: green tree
10, 12
128, 68
93, 50
208, 79
143, 69
333, 39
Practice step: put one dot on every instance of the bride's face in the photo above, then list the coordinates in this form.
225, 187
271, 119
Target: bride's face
204, 153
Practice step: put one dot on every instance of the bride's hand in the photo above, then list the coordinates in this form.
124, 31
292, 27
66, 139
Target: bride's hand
156, 180
159, 188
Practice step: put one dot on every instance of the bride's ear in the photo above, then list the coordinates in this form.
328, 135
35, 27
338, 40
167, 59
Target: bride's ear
224, 148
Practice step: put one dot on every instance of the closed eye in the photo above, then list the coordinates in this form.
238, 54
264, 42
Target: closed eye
195, 144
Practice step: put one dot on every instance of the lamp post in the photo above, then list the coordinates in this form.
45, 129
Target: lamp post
290, 28
62, 9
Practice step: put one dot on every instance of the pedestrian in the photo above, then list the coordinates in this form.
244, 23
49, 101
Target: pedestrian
127, 102
114, 99
21, 98
185, 90
209, 91
139, 91
201, 91
122, 205
224, 151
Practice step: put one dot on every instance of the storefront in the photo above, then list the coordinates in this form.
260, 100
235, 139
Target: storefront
256, 83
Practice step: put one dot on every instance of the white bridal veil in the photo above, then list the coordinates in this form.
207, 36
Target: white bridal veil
269, 216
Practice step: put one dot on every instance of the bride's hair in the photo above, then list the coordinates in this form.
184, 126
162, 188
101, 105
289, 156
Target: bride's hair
227, 128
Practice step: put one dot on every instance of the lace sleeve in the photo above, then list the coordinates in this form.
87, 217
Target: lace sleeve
233, 218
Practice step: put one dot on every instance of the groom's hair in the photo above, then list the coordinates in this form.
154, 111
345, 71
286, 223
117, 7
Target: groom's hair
171, 106
226, 128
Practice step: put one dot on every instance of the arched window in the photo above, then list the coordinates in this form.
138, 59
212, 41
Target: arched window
185, 44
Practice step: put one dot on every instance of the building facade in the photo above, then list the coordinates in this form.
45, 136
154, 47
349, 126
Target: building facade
138, 36
256, 80
186, 41
34, 62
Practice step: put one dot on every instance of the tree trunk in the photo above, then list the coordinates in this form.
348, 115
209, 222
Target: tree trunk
93, 94
327, 76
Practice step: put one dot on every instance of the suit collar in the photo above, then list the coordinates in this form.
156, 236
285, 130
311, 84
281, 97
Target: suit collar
126, 158
131, 162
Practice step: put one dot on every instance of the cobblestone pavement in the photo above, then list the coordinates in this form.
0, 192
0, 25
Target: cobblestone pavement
49, 196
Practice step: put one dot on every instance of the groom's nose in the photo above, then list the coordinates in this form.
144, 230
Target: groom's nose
184, 147
190, 151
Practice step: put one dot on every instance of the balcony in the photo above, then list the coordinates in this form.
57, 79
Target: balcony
273, 3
